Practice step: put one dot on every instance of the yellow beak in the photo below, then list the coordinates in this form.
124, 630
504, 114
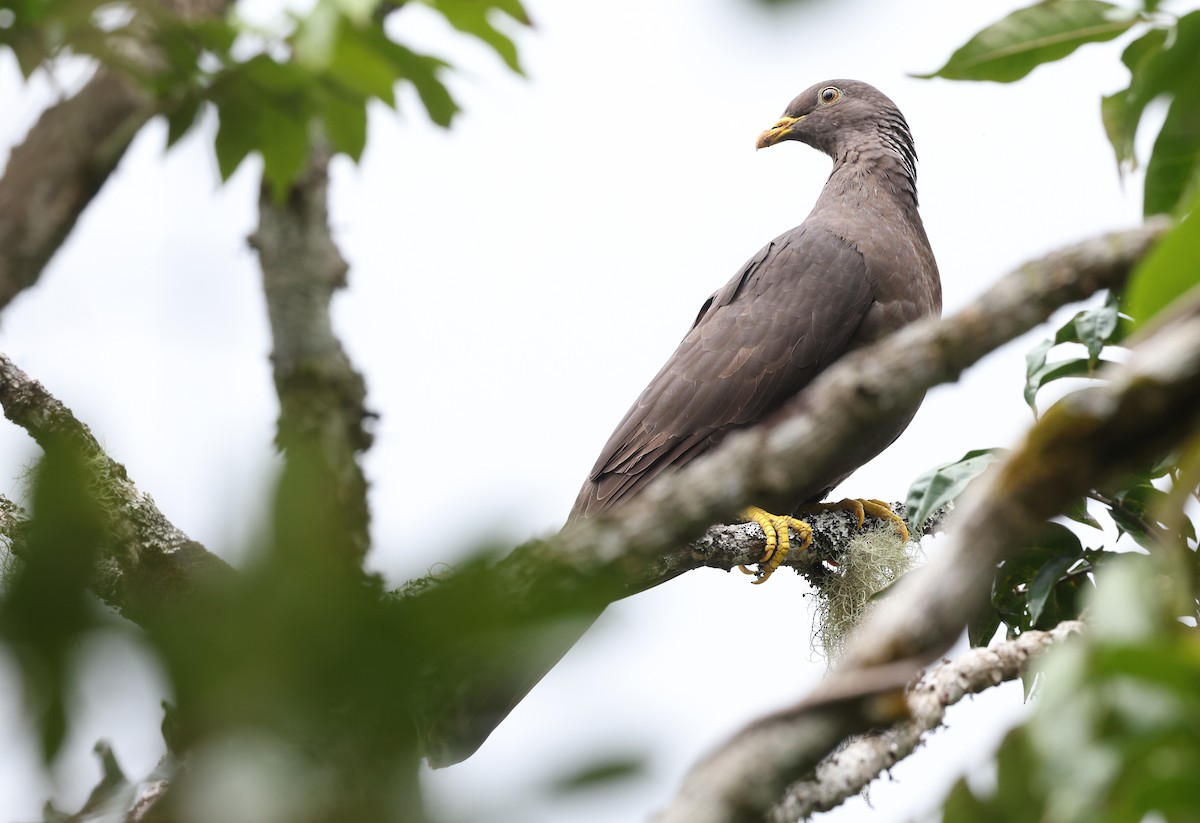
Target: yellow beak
777, 132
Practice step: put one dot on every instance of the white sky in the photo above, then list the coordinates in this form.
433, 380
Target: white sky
514, 284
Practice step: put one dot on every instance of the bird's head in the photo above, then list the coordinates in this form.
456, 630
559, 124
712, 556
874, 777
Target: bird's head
827, 112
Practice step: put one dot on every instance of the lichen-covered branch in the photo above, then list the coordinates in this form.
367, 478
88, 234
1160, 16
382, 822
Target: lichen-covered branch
149, 562
1145, 407
322, 397
851, 769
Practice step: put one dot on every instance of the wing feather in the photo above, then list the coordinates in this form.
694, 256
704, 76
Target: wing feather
788, 313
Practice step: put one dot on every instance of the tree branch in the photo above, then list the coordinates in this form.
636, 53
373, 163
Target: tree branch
322, 397
1147, 406
149, 561
67, 156
646, 541
851, 769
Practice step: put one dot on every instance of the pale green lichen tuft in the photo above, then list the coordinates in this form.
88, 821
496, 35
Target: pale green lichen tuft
873, 560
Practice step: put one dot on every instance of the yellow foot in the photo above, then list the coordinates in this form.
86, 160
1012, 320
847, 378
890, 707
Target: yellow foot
860, 509
775, 527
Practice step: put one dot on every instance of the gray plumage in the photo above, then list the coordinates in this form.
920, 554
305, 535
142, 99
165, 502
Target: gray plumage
858, 268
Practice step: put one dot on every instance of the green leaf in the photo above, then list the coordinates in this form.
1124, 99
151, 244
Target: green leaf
182, 117
962, 806
267, 107
284, 146
422, 71
600, 774
942, 484
345, 120
1169, 271
982, 628
474, 17
1022, 41
1049, 372
1173, 173
1122, 111
45, 608
1079, 513
1043, 584
1094, 328
360, 61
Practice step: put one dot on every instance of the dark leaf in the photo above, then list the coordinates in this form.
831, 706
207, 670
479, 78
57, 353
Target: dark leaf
1011, 48
1078, 512
182, 117
1043, 584
982, 629
942, 484
1173, 173
1122, 111
600, 774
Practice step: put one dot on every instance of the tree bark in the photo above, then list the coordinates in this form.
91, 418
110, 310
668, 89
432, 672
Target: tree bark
149, 563
322, 398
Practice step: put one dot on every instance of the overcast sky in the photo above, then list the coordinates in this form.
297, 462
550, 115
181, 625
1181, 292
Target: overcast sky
514, 284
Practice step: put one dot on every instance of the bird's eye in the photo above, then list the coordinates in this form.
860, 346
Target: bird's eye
829, 94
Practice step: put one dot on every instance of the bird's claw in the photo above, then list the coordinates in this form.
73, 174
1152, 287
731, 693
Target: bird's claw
775, 527
860, 508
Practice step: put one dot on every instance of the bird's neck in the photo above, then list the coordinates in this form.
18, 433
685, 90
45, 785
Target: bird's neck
881, 170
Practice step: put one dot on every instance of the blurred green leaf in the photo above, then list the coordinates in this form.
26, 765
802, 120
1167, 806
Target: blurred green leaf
982, 628
265, 106
1043, 584
1011, 48
1173, 173
345, 119
47, 606
1078, 512
422, 71
1026, 586
1122, 111
1094, 328
360, 62
182, 117
600, 774
1049, 372
475, 17
1168, 272
942, 484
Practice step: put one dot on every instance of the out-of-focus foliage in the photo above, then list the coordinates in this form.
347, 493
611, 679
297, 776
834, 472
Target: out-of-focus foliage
1093, 329
269, 87
1043, 585
1011, 48
1115, 728
45, 607
944, 484
1114, 736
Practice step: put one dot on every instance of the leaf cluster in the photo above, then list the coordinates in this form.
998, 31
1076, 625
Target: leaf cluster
1113, 735
1046, 583
273, 90
1164, 66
